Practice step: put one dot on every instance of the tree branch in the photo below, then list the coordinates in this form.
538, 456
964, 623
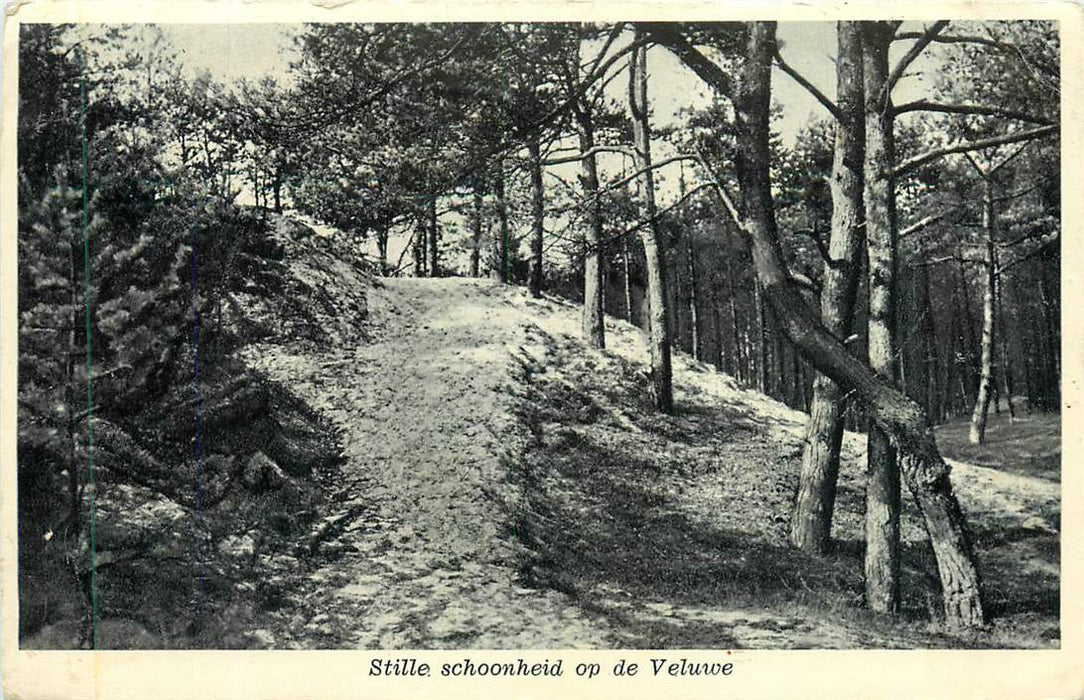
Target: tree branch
984, 110
955, 39
1030, 254
924, 222
920, 160
587, 154
908, 58
669, 36
831, 106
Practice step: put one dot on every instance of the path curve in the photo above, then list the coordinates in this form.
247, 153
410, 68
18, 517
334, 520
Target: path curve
424, 559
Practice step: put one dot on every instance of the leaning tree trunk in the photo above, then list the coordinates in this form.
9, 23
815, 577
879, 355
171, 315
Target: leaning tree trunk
593, 318
811, 524
658, 322
901, 418
977, 434
537, 216
883, 477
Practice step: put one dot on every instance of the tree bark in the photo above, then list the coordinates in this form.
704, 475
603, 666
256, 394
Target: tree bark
811, 523
1006, 357
883, 479
418, 248
499, 262
537, 216
593, 316
718, 356
901, 418
476, 227
969, 326
762, 339
740, 370
659, 322
931, 364
694, 301
382, 247
977, 433
434, 236
627, 279
277, 188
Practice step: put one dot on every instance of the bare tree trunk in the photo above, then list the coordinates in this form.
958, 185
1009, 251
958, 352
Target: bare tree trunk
659, 322
811, 524
382, 248
762, 339
740, 355
418, 248
717, 357
1006, 357
969, 326
627, 280
930, 356
75, 496
434, 237
476, 227
900, 417
537, 216
883, 479
977, 434
694, 301
499, 263
593, 318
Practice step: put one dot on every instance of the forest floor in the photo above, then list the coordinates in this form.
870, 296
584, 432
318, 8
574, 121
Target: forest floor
507, 487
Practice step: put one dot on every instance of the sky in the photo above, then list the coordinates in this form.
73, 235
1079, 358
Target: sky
231, 51
252, 51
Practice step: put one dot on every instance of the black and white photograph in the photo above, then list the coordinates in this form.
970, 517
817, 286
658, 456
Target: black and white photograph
523, 335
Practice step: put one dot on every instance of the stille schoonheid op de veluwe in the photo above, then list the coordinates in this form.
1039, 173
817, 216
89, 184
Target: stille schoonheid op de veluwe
485, 335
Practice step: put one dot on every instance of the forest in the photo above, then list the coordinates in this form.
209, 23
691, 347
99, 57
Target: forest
443, 301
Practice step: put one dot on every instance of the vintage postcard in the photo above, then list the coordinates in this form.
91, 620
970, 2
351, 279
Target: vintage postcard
557, 350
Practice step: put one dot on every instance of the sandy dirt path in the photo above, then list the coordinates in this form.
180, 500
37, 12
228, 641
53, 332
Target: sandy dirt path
635, 530
422, 558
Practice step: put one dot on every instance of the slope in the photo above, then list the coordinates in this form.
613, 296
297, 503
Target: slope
507, 487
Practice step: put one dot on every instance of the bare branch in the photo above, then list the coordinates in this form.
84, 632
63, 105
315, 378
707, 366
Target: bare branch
1031, 254
908, 58
654, 166
983, 110
831, 106
1007, 159
668, 35
720, 188
964, 147
586, 154
950, 258
1018, 193
924, 223
955, 39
